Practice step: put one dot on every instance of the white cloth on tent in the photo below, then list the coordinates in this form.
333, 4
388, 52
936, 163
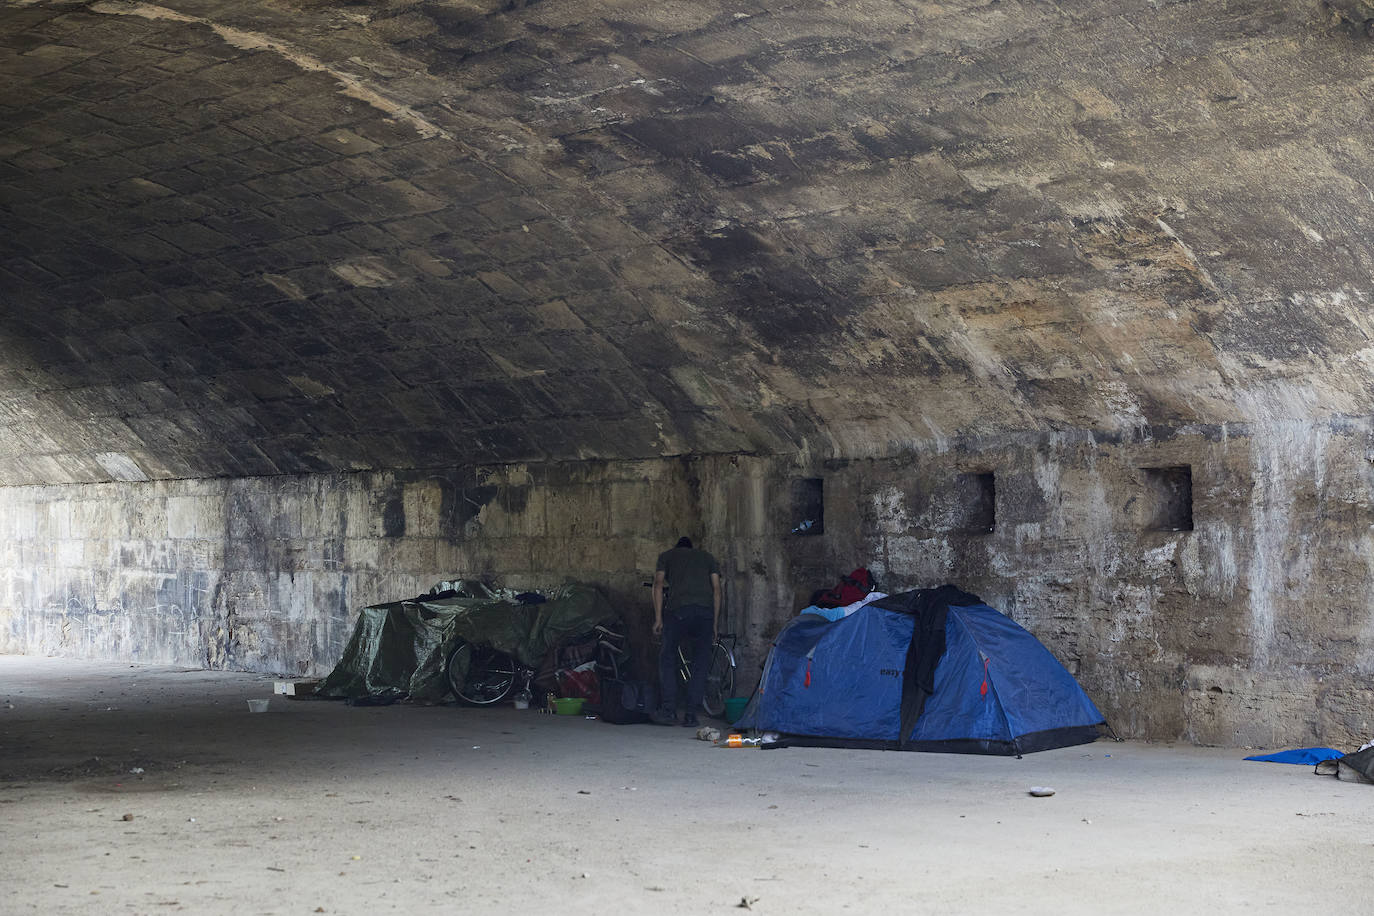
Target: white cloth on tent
866, 599
838, 613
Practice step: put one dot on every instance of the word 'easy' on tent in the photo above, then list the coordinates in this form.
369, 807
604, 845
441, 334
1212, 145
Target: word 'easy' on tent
927, 670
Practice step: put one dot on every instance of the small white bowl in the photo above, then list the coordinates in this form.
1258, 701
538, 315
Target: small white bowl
257, 705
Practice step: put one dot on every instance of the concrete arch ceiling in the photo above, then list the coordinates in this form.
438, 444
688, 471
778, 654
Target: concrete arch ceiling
254, 238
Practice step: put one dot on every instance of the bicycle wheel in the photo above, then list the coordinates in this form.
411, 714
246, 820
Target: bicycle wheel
720, 682
479, 675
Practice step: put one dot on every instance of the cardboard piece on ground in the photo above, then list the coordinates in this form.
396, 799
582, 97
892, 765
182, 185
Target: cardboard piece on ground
295, 689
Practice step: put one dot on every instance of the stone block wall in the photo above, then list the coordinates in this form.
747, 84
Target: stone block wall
1246, 621
1209, 585
267, 573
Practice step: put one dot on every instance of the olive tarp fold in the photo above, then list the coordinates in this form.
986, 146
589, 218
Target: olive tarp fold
399, 648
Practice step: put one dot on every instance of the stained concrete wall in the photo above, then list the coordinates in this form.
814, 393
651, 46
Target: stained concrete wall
267, 573
1254, 627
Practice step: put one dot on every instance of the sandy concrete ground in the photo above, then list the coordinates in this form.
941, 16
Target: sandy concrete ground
314, 807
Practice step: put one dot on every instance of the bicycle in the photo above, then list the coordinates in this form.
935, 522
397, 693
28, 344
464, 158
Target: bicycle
479, 675
720, 676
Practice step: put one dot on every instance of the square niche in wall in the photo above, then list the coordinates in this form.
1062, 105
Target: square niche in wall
976, 500
1169, 498
808, 506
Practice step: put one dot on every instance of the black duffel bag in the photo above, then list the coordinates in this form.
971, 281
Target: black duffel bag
627, 702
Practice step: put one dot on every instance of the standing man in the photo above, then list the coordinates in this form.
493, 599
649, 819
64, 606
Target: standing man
691, 611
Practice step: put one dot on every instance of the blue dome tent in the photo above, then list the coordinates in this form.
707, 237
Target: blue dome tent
927, 670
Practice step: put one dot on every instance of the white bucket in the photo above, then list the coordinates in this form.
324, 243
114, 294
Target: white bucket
257, 705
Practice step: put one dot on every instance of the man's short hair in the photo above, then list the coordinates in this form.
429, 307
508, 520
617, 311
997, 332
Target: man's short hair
684, 542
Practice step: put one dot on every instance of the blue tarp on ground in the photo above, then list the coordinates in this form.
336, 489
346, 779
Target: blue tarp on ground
1306, 756
997, 688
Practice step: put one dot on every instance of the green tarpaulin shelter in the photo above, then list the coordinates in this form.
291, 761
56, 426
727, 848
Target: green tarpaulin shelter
399, 648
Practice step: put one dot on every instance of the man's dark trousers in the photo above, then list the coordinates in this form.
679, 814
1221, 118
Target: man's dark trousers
690, 622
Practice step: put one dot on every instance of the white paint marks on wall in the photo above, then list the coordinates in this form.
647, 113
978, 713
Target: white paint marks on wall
889, 509
371, 273
1283, 454
1208, 562
1364, 649
120, 466
1122, 403
350, 85
1048, 472
921, 560
286, 286
1159, 561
